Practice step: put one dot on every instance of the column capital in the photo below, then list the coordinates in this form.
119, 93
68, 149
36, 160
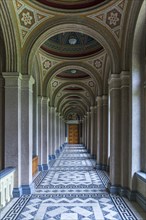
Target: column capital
114, 81
105, 99
125, 78
27, 82
99, 100
45, 100
12, 79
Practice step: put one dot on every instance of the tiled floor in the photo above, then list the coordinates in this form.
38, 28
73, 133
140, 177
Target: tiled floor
71, 190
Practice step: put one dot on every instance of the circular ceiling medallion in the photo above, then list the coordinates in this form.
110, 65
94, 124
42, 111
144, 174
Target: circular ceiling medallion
72, 45
71, 4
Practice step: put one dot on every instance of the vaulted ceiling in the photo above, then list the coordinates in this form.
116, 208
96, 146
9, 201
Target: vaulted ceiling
70, 47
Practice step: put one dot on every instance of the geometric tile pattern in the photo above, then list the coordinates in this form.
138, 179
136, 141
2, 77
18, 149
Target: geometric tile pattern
71, 192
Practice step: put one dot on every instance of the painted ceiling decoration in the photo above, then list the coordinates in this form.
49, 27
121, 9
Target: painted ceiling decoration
71, 4
28, 18
99, 62
72, 45
113, 18
45, 62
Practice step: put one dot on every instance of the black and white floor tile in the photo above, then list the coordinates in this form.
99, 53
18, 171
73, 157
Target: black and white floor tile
71, 190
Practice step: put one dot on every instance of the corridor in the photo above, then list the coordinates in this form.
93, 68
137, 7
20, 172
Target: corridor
72, 189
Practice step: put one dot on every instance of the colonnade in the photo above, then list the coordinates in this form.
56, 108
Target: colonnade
97, 129
18, 130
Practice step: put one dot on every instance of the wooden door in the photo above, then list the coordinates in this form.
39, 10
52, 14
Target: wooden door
73, 134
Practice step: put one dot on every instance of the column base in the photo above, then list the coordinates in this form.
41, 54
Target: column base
17, 192
27, 189
53, 157
45, 166
98, 166
57, 153
113, 189
40, 167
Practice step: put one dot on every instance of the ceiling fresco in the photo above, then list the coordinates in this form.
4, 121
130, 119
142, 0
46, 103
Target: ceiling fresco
71, 45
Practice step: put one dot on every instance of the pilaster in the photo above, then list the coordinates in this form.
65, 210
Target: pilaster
44, 133
144, 144
99, 133
88, 131
115, 131
26, 133
95, 133
13, 126
124, 128
1, 123
91, 130
105, 132
39, 132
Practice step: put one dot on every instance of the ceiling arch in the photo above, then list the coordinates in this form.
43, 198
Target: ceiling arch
68, 107
75, 83
88, 69
80, 103
68, 95
67, 5
86, 26
68, 111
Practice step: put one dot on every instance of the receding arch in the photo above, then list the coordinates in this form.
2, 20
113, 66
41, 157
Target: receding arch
86, 26
66, 84
72, 94
91, 71
72, 102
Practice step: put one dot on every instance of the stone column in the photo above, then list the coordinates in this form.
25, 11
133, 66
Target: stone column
124, 128
144, 103
44, 133
85, 131
48, 130
115, 131
39, 132
99, 133
88, 131
105, 132
59, 127
95, 134
51, 133
13, 126
1, 123
91, 130
26, 133
57, 134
